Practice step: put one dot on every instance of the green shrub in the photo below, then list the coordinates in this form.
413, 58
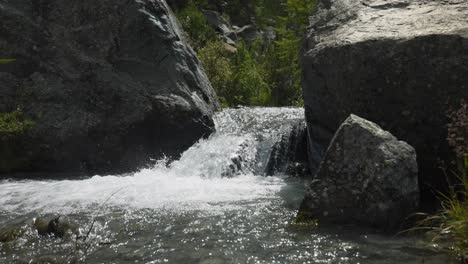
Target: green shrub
250, 85
290, 30
450, 224
13, 124
260, 73
195, 25
237, 78
218, 67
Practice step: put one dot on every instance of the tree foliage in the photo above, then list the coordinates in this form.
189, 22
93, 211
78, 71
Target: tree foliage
195, 24
265, 73
219, 69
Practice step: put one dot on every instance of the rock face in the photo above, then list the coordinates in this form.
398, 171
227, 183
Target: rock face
397, 63
289, 155
230, 34
366, 177
217, 21
109, 84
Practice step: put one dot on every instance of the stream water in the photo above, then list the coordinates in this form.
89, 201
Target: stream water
213, 205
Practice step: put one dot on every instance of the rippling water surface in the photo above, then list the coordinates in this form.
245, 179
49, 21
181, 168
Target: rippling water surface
195, 210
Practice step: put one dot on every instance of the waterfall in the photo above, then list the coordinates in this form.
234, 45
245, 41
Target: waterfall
229, 166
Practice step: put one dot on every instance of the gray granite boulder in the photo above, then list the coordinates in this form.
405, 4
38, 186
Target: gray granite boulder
396, 62
109, 85
367, 177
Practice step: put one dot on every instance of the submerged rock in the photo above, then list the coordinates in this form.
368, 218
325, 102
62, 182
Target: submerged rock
109, 85
11, 234
367, 177
58, 227
394, 62
289, 155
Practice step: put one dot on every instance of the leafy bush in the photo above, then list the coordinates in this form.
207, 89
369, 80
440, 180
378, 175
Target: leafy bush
250, 85
195, 24
237, 78
260, 72
14, 123
218, 67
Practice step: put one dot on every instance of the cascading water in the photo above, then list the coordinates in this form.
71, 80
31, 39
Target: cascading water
213, 205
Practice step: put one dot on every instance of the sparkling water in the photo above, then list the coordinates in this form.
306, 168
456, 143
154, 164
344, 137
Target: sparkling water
213, 205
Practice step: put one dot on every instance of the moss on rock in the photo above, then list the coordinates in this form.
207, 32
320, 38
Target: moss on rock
10, 234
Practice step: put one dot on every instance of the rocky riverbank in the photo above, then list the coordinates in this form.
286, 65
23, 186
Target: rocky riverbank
105, 86
400, 64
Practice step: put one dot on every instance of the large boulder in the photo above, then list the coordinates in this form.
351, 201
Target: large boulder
108, 84
367, 177
396, 62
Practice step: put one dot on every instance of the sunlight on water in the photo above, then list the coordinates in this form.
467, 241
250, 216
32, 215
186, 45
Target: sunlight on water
213, 205
152, 189
193, 182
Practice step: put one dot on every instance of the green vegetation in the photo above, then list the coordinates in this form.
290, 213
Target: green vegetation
10, 234
194, 23
305, 220
450, 224
13, 124
5, 61
265, 73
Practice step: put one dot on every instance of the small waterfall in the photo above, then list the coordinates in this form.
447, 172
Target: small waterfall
229, 166
242, 143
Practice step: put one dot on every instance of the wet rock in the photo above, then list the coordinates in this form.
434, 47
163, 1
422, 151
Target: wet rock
107, 93
46, 260
394, 62
239, 162
58, 227
213, 260
11, 234
367, 177
42, 226
289, 155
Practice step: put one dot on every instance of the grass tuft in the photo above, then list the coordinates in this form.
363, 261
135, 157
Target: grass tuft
449, 226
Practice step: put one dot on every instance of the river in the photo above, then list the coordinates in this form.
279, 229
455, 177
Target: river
213, 205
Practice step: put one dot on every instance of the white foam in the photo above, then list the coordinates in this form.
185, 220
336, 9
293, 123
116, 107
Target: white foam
194, 182
154, 189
